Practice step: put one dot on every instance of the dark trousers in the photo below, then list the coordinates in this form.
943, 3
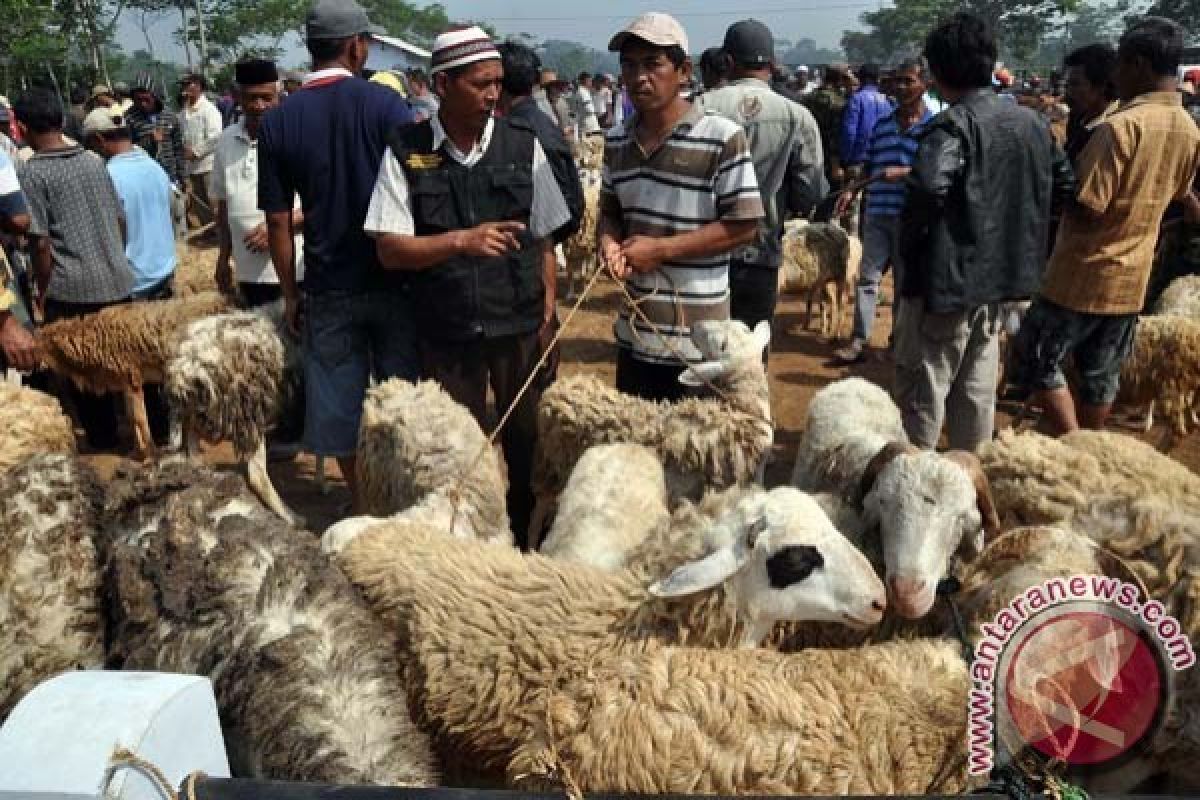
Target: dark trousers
255, 295
753, 294
465, 370
648, 380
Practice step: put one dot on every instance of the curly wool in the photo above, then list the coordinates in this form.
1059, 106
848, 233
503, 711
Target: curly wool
228, 378
888, 719
32, 422
1039, 480
1164, 368
308, 688
414, 439
195, 270
1181, 298
50, 616
483, 615
580, 249
123, 346
702, 442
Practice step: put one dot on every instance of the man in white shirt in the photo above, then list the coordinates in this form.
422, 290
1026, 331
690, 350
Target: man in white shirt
602, 98
241, 226
201, 123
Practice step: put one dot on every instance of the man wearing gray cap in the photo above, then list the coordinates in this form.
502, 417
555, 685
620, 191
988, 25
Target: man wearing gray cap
326, 144
786, 147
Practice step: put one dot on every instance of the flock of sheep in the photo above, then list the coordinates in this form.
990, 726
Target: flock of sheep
682, 630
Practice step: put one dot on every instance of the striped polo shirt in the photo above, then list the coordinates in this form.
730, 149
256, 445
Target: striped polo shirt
891, 147
701, 173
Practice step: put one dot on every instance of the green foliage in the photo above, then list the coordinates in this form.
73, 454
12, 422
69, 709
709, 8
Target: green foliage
805, 51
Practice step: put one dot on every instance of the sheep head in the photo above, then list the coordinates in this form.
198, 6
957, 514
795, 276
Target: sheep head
725, 346
928, 508
784, 561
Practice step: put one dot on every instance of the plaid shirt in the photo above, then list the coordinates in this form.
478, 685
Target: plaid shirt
169, 152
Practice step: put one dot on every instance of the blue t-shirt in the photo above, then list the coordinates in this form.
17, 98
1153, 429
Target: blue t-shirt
145, 192
891, 147
325, 142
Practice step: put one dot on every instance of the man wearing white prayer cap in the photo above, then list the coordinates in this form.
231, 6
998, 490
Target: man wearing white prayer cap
465, 204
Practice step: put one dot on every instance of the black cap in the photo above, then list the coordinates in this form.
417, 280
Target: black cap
255, 71
749, 42
337, 19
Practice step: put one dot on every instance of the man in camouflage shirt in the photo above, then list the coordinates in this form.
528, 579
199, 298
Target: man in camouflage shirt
827, 105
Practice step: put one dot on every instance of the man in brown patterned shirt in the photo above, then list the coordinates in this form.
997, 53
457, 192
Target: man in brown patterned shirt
1143, 157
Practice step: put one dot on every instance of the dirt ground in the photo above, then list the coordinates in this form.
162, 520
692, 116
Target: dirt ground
798, 368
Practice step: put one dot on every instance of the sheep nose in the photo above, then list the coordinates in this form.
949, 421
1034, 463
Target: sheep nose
879, 604
909, 595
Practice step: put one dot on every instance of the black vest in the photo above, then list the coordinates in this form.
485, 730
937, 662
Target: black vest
467, 298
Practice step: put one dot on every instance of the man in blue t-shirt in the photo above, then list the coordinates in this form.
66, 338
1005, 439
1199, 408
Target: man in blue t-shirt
145, 193
326, 144
890, 154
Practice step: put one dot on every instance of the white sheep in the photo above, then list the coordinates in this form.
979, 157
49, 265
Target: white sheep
580, 250
228, 379
929, 507
823, 259
204, 581
1163, 370
1181, 298
483, 615
414, 439
50, 609
703, 442
33, 422
615, 498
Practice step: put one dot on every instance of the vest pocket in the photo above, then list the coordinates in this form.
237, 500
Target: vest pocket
514, 191
431, 203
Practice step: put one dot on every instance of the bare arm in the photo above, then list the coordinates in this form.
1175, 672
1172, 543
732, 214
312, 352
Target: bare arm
282, 243
549, 279
647, 253
224, 273
608, 243
43, 265
415, 253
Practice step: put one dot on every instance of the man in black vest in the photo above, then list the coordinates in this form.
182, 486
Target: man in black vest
467, 203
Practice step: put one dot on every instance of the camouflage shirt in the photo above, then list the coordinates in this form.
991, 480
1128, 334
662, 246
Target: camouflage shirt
827, 106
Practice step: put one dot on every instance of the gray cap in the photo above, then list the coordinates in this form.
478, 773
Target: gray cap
337, 19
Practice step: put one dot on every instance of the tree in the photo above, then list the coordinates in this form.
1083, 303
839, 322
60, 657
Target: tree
1185, 12
805, 51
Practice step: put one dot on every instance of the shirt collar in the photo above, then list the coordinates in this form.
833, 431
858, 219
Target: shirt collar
325, 74
750, 82
1102, 116
440, 137
239, 130
70, 150
686, 122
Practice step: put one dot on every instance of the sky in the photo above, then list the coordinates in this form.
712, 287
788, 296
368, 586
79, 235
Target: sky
594, 23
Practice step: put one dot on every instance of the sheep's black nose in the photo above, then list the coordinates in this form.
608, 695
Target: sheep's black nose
877, 605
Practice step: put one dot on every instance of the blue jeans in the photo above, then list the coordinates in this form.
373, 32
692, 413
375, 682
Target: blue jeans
350, 337
879, 239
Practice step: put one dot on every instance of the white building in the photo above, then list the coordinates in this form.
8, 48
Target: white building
388, 52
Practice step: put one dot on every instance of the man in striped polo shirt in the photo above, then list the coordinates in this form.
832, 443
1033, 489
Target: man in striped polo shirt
890, 156
678, 194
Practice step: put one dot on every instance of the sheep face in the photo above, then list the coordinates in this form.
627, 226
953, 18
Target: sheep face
724, 345
927, 511
783, 560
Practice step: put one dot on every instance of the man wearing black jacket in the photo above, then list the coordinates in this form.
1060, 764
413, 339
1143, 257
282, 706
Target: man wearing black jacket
972, 236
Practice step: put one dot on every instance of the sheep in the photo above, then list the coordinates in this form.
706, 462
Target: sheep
33, 422
703, 442
799, 269
838, 256
50, 615
204, 581
121, 348
929, 507
1181, 298
195, 270
414, 439
229, 379
1039, 480
580, 250
615, 498
1163, 370
484, 615
889, 719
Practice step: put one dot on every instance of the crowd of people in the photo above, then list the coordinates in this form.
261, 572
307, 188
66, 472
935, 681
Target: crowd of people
408, 222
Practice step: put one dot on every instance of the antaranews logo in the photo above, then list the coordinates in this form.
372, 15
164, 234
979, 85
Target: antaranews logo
1078, 669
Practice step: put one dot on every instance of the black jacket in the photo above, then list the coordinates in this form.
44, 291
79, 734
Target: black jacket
468, 298
558, 153
974, 228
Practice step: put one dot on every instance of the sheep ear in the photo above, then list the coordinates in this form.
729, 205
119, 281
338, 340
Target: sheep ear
990, 520
706, 573
762, 336
702, 374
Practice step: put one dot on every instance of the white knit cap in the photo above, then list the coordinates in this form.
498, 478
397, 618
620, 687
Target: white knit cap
459, 48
